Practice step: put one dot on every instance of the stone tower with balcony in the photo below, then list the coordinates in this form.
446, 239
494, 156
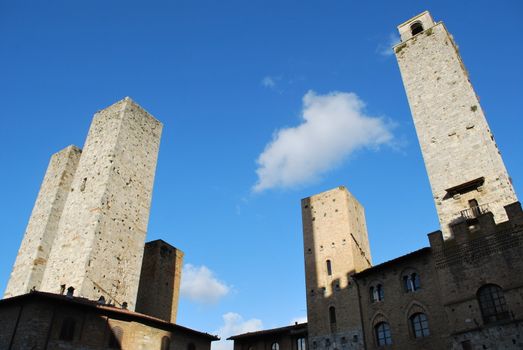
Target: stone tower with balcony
464, 165
336, 246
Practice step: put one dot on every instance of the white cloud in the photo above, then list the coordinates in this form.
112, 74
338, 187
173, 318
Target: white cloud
268, 82
386, 49
334, 125
199, 284
234, 324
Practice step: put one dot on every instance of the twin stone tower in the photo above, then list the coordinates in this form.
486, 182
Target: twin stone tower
88, 226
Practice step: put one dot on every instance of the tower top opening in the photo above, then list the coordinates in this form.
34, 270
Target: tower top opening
415, 25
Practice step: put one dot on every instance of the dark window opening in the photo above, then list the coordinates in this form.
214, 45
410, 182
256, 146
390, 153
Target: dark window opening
191, 346
492, 303
466, 345
329, 268
166, 343
416, 28
332, 314
67, 330
420, 325
383, 336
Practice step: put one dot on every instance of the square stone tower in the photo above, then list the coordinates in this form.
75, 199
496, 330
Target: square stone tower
464, 165
40, 233
336, 245
100, 239
159, 288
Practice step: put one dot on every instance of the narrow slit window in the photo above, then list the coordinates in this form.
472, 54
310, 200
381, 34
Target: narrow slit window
329, 268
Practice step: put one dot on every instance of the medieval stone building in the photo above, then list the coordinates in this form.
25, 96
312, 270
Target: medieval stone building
464, 291
84, 278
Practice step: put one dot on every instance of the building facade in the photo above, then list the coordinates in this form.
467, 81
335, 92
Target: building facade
86, 235
464, 291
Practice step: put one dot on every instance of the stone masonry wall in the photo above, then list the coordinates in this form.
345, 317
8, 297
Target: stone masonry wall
101, 235
160, 277
455, 139
40, 233
398, 305
334, 229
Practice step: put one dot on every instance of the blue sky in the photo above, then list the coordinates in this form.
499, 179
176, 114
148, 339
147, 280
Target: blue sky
227, 78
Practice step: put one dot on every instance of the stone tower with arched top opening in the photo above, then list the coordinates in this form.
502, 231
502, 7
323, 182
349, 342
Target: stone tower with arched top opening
465, 169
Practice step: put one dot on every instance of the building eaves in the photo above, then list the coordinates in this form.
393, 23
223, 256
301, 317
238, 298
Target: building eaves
387, 264
294, 328
103, 309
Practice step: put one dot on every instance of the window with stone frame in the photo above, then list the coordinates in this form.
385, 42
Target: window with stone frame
416, 28
166, 343
376, 293
301, 344
420, 325
411, 282
492, 303
383, 334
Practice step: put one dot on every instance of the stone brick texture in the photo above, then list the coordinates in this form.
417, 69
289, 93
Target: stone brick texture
454, 136
334, 229
160, 277
36, 323
41, 230
99, 245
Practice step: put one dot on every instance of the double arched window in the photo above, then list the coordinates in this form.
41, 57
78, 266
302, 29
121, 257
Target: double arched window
301, 345
492, 303
420, 325
376, 293
275, 346
382, 333
411, 282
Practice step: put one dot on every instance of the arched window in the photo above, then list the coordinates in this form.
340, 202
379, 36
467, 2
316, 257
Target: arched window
411, 282
115, 338
416, 28
191, 346
329, 268
332, 314
301, 344
376, 293
492, 303
67, 330
275, 346
166, 343
420, 325
383, 336
381, 294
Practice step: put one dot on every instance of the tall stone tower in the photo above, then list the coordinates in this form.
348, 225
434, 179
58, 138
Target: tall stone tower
160, 281
336, 245
100, 238
465, 169
41, 230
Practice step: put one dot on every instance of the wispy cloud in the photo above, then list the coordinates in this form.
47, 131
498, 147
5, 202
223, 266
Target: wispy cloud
269, 82
233, 324
385, 49
334, 125
200, 285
